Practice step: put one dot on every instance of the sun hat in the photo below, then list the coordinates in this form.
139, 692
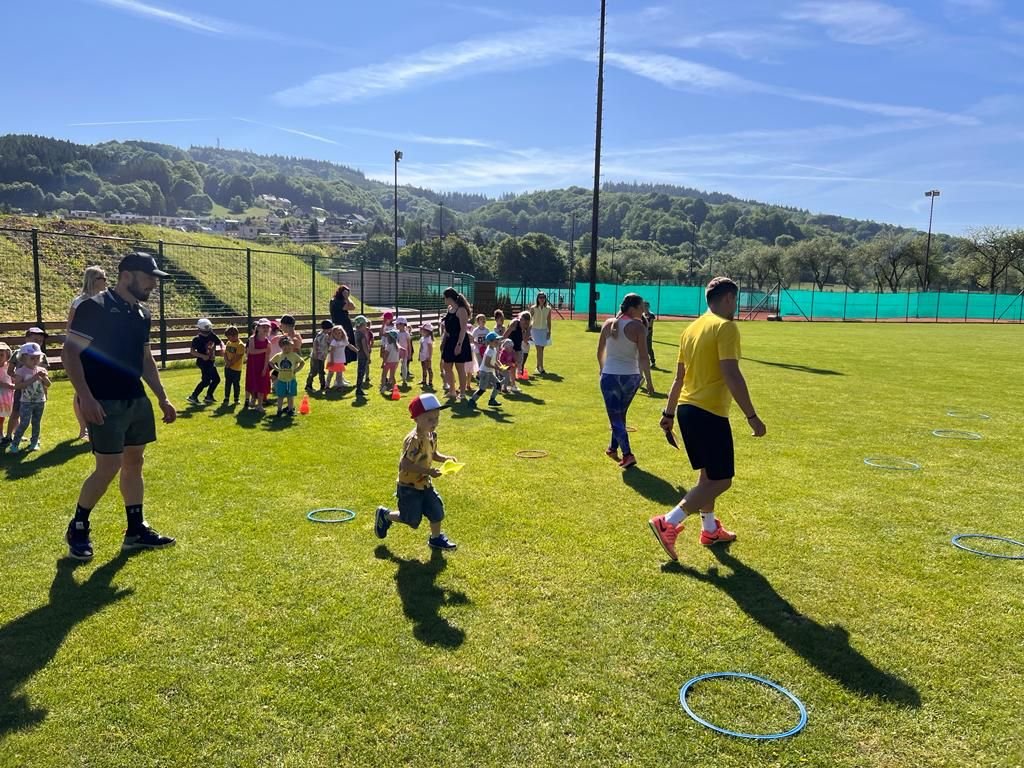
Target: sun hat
36, 329
29, 348
392, 334
264, 321
387, 316
401, 320
427, 326
359, 321
423, 404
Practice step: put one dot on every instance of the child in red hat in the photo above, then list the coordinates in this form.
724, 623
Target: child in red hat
416, 495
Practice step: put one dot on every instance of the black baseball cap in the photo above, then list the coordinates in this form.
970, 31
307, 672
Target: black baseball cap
140, 262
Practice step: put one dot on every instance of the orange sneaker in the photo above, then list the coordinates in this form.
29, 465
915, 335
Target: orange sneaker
666, 534
719, 536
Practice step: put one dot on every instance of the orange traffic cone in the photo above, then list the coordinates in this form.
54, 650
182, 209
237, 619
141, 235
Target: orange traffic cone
395, 394
304, 405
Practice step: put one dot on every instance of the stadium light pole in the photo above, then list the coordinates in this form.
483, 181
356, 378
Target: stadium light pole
931, 193
592, 316
398, 156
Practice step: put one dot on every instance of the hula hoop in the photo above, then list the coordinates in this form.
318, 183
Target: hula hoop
956, 434
743, 675
346, 515
958, 545
531, 453
967, 415
887, 462
631, 429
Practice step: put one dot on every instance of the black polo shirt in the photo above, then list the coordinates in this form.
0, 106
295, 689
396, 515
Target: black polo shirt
118, 333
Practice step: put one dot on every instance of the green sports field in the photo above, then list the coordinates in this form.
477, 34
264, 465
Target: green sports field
556, 635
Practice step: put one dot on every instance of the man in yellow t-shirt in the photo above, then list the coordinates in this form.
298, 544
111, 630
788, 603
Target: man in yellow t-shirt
707, 380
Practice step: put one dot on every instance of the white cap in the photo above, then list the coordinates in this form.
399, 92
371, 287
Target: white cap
204, 324
401, 320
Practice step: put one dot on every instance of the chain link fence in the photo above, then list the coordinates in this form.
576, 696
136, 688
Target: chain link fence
42, 272
839, 303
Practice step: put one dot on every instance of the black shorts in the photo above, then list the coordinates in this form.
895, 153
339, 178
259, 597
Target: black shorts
126, 423
708, 441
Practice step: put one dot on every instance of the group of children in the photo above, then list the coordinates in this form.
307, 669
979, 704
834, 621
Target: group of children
24, 383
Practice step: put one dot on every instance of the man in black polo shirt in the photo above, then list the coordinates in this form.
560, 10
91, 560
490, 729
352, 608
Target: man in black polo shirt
107, 356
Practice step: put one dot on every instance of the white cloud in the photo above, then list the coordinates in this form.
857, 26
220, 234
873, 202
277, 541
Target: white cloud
674, 72
743, 43
859, 22
973, 6
419, 138
203, 24
563, 38
295, 131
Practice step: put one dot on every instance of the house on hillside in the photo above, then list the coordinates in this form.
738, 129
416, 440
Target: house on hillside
85, 215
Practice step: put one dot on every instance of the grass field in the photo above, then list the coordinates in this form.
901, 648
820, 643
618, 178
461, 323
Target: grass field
557, 634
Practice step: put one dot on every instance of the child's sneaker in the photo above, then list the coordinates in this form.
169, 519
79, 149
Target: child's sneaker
33, 446
4, 441
145, 538
494, 402
77, 537
628, 460
381, 522
192, 399
666, 534
209, 399
613, 454
718, 536
13, 448
441, 542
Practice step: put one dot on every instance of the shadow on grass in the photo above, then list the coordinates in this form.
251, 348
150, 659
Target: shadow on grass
467, 411
522, 396
422, 598
249, 418
24, 464
29, 642
359, 399
275, 423
796, 367
826, 648
549, 376
224, 409
652, 487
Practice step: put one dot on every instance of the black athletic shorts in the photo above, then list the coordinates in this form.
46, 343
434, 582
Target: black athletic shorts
708, 441
126, 423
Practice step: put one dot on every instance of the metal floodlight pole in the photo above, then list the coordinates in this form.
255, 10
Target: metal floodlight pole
398, 156
592, 316
932, 194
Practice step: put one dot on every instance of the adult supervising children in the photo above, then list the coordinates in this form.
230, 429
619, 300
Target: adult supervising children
107, 357
707, 380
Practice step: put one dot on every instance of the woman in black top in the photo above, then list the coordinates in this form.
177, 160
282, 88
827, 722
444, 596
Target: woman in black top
456, 348
341, 305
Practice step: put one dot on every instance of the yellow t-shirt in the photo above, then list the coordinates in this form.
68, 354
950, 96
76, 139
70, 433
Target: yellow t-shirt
234, 355
421, 453
286, 365
707, 340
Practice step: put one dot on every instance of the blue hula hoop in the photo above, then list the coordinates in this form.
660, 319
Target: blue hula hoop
346, 515
887, 462
743, 675
965, 548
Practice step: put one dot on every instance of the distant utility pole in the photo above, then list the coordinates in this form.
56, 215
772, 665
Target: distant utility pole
398, 157
592, 316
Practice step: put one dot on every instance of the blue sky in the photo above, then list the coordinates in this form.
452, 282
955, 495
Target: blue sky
853, 107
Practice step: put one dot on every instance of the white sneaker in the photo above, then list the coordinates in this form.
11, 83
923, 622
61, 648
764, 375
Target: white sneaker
33, 446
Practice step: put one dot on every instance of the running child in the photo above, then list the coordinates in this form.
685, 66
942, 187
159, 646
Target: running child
416, 495
204, 350
488, 370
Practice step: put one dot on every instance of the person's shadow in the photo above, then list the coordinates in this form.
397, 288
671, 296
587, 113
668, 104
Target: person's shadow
29, 642
422, 598
21, 465
827, 648
797, 367
652, 487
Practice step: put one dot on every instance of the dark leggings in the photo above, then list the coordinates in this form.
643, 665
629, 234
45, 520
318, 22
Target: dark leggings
618, 392
210, 378
232, 383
